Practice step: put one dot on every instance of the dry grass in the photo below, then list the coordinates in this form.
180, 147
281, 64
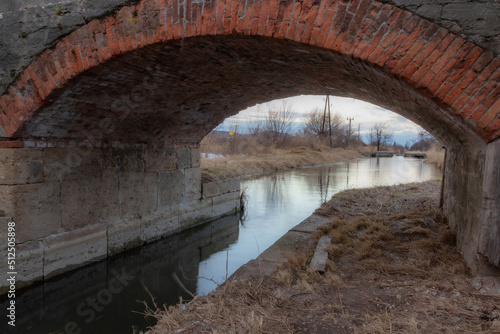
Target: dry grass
239, 165
392, 268
435, 156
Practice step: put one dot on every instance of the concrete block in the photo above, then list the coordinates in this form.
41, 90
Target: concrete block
318, 261
29, 262
123, 160
71, 163
74, 249
160, 160
89, 201
286, 246
311, 224
4, 221
196, 213
21, 166
217, 188
489, 230
124, 234
170, 189
160, 226
28, 265
34, 207
195, 158
138, 194
225, 204
183, 158
192, 184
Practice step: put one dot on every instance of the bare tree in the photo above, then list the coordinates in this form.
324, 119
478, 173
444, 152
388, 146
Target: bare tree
423, 142
278, 124
380, 135
317, 125
255, 127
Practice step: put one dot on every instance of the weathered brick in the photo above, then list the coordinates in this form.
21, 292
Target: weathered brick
342, 32
491, 90
323, 13
264, 12
425, 67
458, 105
325, 29
492, 131
459, 88
487, 118
294, 21
477, 113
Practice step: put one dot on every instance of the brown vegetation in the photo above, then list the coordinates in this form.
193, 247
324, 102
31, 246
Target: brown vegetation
256, 154
435, 155
393, 268
243, 165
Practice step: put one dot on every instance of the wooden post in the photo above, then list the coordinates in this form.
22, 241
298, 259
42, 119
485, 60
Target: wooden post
441, 198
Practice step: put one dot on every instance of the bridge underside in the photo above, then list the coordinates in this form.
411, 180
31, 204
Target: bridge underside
179, 91
111, 160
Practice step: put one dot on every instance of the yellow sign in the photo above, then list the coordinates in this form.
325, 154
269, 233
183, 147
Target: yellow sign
231, 133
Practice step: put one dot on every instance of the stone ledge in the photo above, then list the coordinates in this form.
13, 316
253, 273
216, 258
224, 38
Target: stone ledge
216, 188
296, 241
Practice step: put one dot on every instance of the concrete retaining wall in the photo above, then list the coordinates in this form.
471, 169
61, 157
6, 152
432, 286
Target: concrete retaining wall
74, 206
471, 204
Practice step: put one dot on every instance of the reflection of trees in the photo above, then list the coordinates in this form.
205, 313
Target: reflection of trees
275, 191
324, 183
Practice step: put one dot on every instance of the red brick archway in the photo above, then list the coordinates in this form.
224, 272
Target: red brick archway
458, 76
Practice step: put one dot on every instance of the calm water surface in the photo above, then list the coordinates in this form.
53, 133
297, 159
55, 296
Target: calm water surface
109, 296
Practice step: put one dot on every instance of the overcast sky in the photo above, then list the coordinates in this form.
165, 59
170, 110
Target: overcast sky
365, 114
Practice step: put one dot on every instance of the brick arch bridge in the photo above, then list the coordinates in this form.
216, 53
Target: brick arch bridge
100, 131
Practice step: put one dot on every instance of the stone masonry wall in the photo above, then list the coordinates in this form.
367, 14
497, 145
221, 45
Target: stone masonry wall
28, 27
73, 206
472, 202
489, 237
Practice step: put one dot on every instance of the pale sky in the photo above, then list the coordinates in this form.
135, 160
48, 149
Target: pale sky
365, 114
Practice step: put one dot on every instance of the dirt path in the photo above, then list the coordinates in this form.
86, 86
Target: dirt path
392, 268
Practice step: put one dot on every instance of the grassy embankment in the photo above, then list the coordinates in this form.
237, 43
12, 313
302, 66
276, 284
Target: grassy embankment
247, 165
253, 156
392, 268
256, 154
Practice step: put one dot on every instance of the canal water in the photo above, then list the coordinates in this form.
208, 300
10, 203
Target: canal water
112, 295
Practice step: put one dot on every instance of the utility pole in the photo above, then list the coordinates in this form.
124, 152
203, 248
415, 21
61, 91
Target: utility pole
359, 130
329, 120
349, 134
323, 130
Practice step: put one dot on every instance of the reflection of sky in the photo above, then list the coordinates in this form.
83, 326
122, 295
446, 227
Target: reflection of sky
365, 114
280, 201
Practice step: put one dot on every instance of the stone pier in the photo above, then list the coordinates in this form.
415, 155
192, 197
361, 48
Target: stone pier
74, 206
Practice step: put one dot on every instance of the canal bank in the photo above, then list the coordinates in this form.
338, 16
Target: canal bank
248, 166
276, 203
392, 267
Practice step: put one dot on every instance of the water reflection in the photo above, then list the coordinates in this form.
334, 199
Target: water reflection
280, 201
108, 296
